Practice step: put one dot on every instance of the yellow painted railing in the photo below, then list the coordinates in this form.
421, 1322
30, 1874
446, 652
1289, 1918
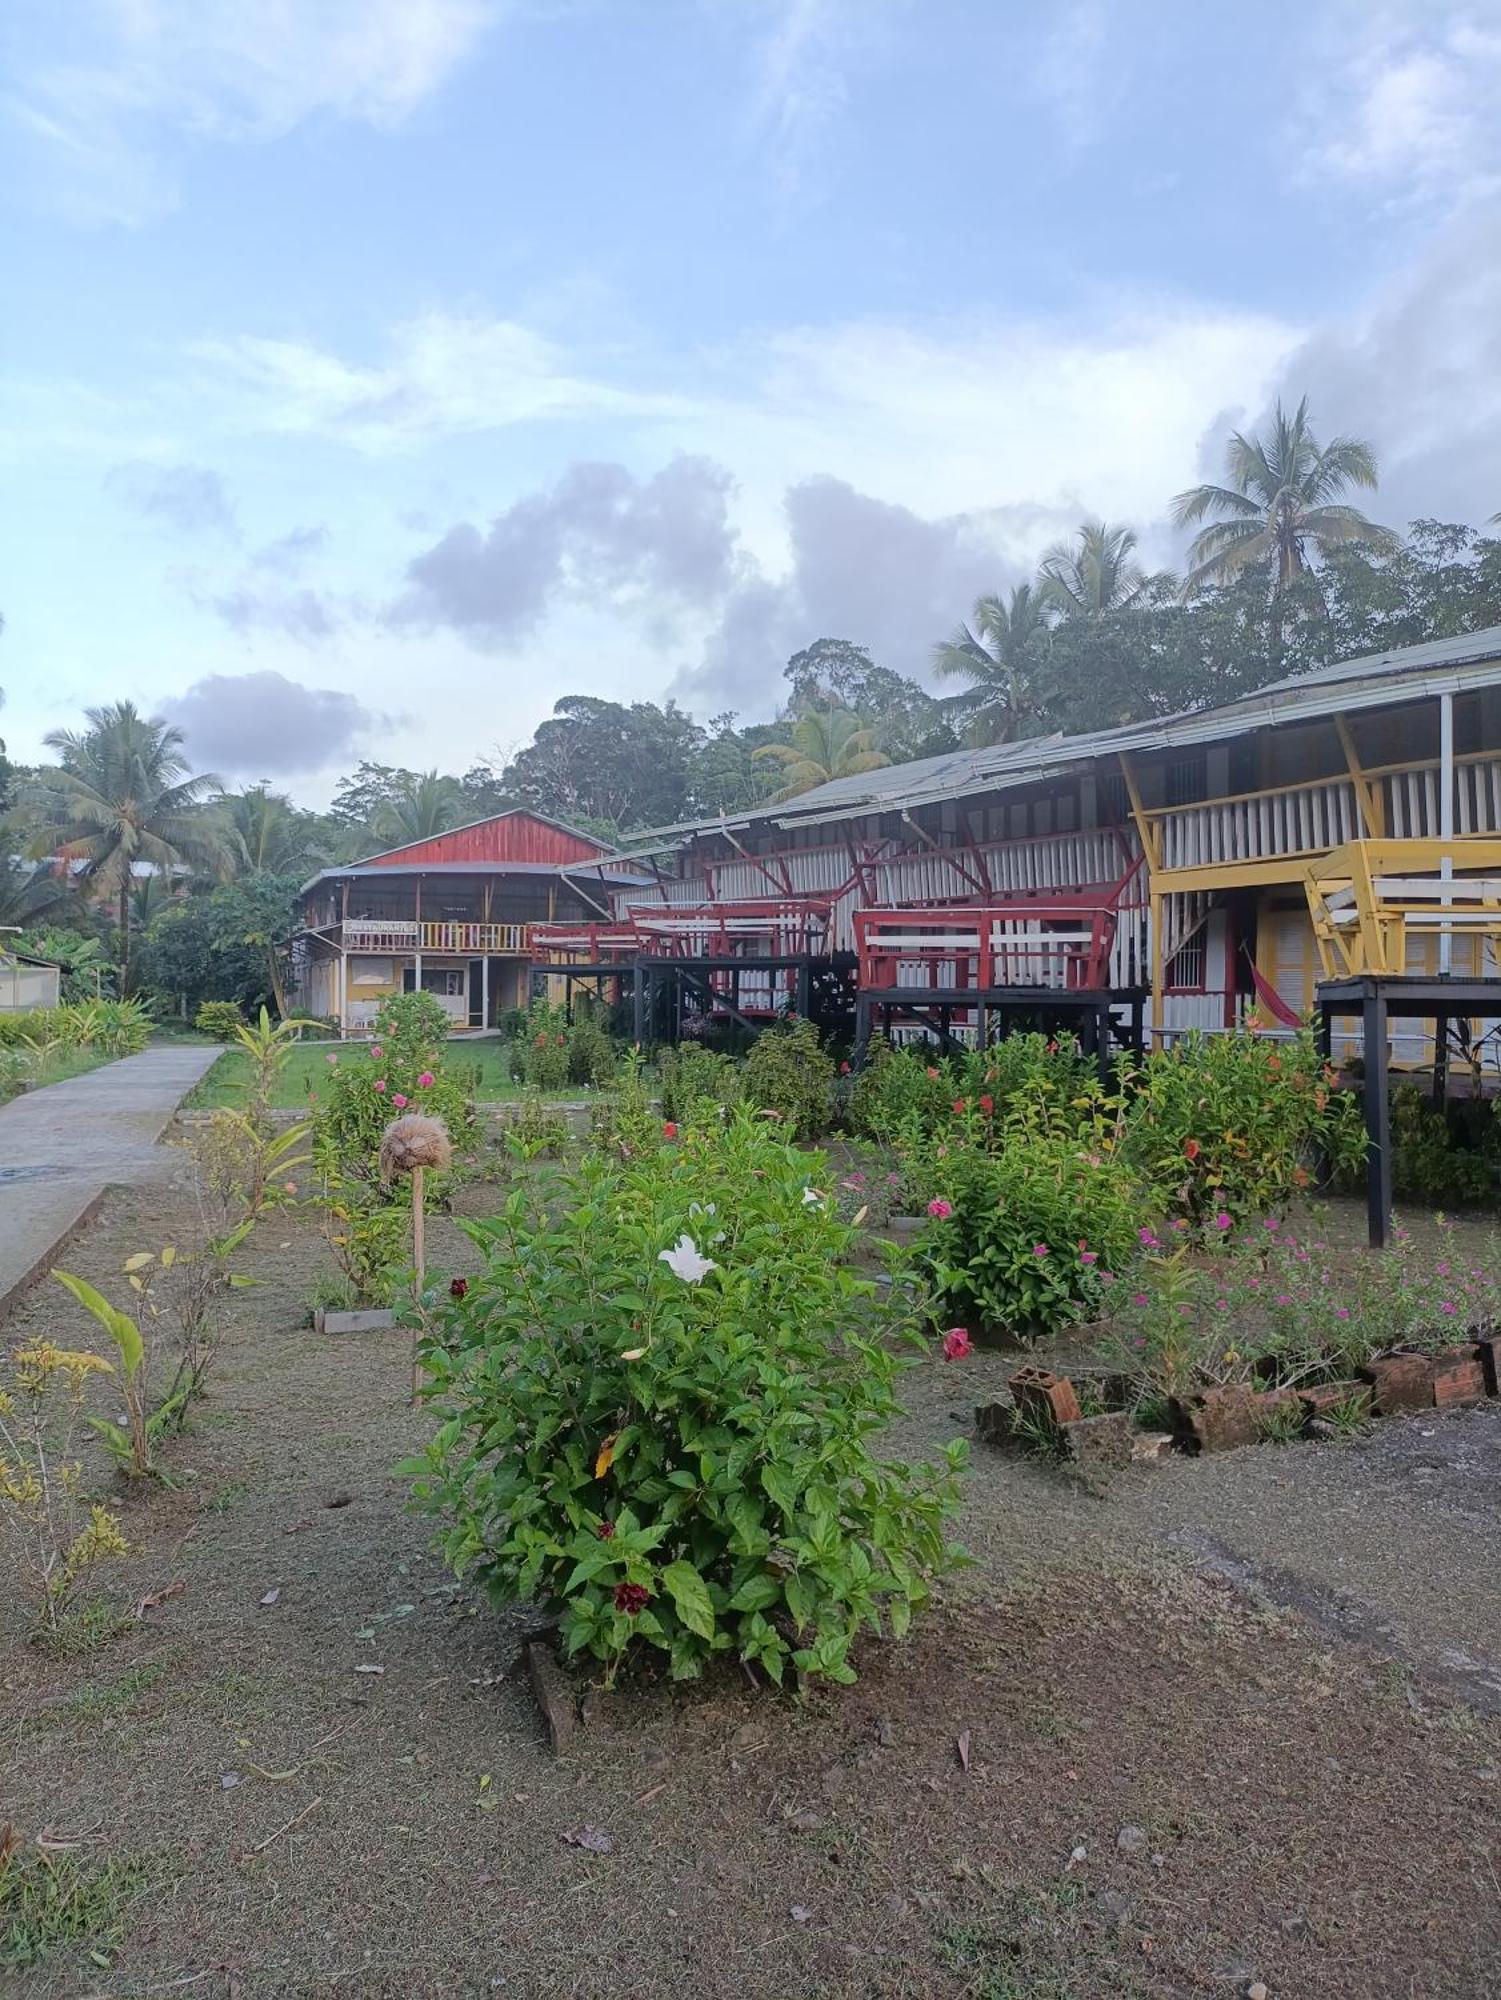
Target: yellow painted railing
1370, 898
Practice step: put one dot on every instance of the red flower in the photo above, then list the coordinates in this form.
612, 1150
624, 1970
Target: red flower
1191, 1149
606, 1531
932, 1075
458, 1287
669, 1130
987, 1105
631, 1598
844, 1069
958, 1107
956, 1344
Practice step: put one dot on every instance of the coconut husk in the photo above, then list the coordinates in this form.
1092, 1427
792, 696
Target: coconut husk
413, 1141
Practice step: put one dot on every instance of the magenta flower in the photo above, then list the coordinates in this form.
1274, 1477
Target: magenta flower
940, 1208
399, 1101
1089, 1256
1222, 1221
1341, 1312
1442, 1267
1271, 1223
331, 1059
1138, 1298
1148, 1239
1107, 1277
425, 1081
1039, 1250
380, 1083
956, 1344
375, 1051
631, 1598
1448, 1306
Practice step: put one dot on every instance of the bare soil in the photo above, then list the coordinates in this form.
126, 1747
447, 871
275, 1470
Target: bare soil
1228, 1721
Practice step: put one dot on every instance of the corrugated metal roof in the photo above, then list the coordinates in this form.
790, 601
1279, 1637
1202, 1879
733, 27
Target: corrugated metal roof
1371, 681
613, 872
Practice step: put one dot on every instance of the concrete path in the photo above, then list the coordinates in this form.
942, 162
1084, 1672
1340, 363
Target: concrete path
62, 1146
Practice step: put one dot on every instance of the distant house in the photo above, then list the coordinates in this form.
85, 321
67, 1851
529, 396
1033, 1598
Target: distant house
448, 916
27, 981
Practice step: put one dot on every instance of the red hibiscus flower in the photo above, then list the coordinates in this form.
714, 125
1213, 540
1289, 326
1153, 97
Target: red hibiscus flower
458, 1287
632, 1598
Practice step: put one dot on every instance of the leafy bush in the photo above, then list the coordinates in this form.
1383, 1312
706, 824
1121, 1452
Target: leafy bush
534, 1130
627, 1123
1427, 1165
591, 1053
661, 1405
220, 1018
1032, 1237
1238, 1122
114, 1027
370, 1238
786, 1072
367, 1089
543, 1048
909, 1095
693, 1080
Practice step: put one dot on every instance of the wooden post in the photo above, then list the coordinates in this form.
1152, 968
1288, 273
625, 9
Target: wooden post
484, 990
1378, 1122
417, 972
419, 1274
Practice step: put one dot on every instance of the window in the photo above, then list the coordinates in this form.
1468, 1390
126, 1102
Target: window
1187, 781
1110, 799
1185, 969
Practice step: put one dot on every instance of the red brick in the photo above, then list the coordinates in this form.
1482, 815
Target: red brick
1400, 1382
1037, 1391
1458, 1377
1327, 1396
1488, 1350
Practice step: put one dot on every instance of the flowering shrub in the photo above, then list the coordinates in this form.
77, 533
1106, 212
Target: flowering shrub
786, 1072
591, 1053
1238, 1122
909, 1094
661, 1403
539, 1055
694, 1081
1030, 1238
366, 1089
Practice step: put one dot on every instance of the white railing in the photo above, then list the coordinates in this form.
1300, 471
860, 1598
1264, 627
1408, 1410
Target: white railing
1260, 826
453, 935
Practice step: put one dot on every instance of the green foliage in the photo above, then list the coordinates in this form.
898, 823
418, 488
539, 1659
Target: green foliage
368, 1088
88, 972
50, 1899
591, 1053
626, 1123
228, 944
1237, 1123
683, 1455
534, 1130
1427, 1164
113, 1027
909, 1094
787, 1073
543, 1048
370, 1239
694, 1082
1030, 1237
221, 1019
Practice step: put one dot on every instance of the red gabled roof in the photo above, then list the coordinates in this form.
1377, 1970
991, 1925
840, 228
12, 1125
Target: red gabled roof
515, 835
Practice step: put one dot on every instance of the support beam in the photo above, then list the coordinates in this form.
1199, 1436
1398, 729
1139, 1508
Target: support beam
1445, 823
484, 992
1367, 797
1378, 1122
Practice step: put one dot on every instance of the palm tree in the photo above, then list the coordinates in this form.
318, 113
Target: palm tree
821, 744
1283, 493
424, 805
123, 798
998, 653
269, 835
1094, 573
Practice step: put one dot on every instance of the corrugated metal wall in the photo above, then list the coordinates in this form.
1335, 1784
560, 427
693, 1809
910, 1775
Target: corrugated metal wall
511, 837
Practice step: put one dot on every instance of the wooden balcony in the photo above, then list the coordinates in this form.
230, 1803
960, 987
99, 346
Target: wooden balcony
456, 937
1371, 899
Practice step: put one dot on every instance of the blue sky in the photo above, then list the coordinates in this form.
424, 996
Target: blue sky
376, 371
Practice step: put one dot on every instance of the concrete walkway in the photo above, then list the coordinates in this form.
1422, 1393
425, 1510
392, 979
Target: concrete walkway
62, 1146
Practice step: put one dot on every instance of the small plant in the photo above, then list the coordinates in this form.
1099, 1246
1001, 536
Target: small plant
543, 1048
220, 1019
131, 1450
49, 1900
1281, 1419
246, 1163
789, 1077
627, 1124
660, 1408
367, 1233
534, 1130
1349, 1415
56, 1536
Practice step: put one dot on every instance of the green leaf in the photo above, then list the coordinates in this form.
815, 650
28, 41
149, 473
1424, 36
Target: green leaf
690, 1598
756, 1593
120, 1327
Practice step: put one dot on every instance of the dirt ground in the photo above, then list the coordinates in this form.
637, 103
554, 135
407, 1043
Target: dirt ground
1228, 1721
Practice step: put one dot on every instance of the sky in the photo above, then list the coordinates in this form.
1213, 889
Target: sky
375, 372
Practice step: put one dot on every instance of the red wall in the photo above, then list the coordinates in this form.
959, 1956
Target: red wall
510, 837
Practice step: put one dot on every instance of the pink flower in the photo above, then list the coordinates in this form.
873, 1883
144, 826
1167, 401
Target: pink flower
1222, 1305
940, 1208
380, 1083
1107, 1277
331, 1059
1147, 1238
1222, 1220
1341, 1312
1442, 1267
956, 1344
1448, 1306
1039, 1250
399, 1101
425, 1081
1138, 1298
1271, 1223
1089, 1256
375, 1051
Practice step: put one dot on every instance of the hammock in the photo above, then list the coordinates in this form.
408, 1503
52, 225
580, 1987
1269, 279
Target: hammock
1272, 1000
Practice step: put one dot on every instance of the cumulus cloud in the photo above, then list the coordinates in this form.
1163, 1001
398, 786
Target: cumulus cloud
214, 69
290, 553
190, 498
598, 532
304, 615
263, 723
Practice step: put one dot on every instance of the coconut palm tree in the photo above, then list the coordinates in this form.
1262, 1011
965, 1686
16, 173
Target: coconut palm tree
821, 744
426, 804
1093, 573
122, 798
999, 654
269, 835
1282, 496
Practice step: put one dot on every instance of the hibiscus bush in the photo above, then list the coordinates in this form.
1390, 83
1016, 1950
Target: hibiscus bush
662, 1405
1239, 1122
911, 1094
789, 1075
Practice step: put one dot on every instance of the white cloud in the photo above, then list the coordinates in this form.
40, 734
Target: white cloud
445, 375
1077, 72
99, 85
1405, 104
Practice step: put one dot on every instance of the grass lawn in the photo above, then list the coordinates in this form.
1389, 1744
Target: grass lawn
57, 1069
308, 1069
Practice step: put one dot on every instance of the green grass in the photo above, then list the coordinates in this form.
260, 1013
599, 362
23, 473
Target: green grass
49, 1901
58, 1068
308, 1070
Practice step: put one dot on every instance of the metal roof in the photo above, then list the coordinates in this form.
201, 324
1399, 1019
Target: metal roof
374, 871
506, 812
1443, 666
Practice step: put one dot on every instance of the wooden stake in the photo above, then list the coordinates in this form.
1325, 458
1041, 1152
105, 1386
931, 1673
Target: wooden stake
419, 1263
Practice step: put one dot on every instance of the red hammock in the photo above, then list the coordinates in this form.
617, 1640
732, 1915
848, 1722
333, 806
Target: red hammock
1272, 1000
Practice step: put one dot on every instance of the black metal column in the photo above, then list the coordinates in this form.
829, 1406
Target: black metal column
1378, 1121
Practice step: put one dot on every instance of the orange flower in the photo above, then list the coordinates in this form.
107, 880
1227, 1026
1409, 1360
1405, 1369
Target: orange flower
1191, 1149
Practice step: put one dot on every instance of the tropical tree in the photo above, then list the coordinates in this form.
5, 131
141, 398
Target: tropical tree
1282, 495
269, 835
424, 804
999, 653
1095, 572
831, 743
122, 798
